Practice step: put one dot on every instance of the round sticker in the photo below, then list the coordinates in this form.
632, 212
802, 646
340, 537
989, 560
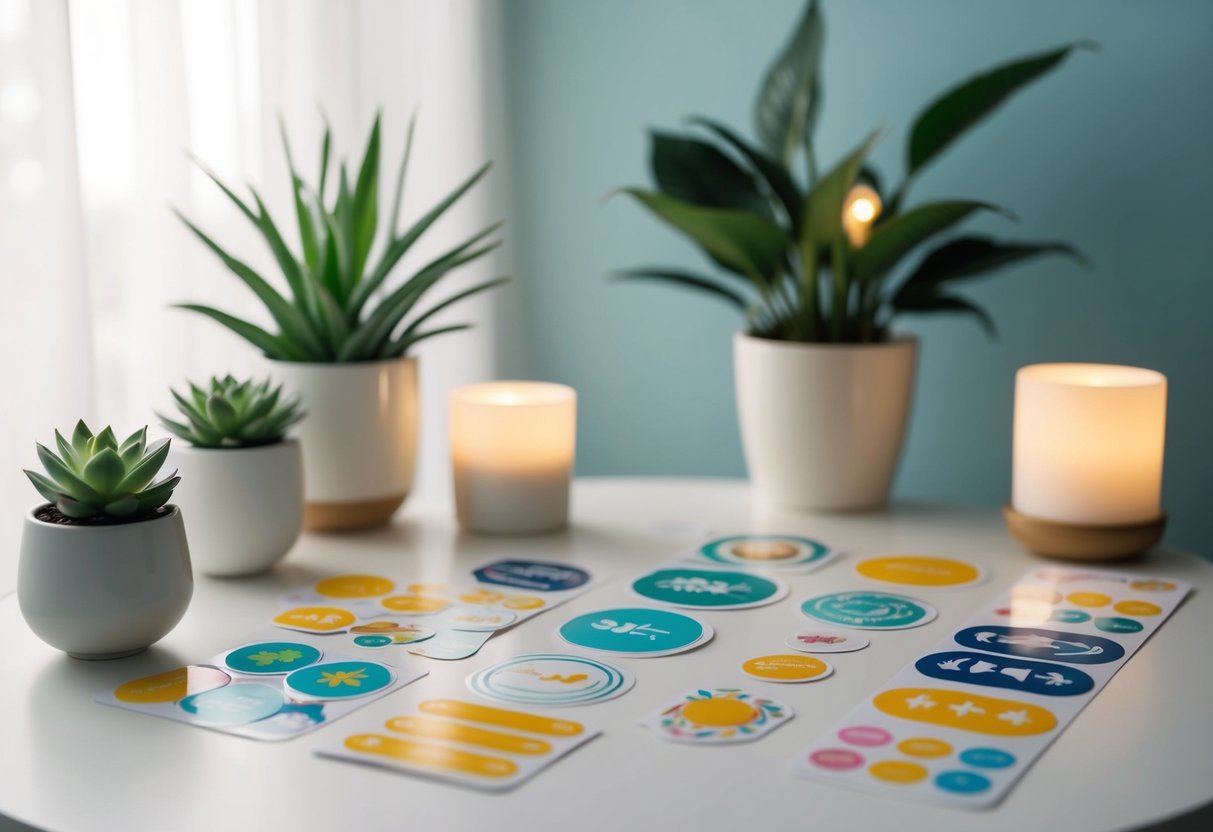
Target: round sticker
235, 704
898, 771
539, 576
1118, 625
394, 632
271, 657
416, 604
768, 550
316, 619
372, 641
920, 570
786, 668
869, 736
1069, 616
720, 715
354, 586
172, 685
836, 759
339, 680
551, 679
635, 631
869, 610
480, 621
823, 641
1137, 608
709, 588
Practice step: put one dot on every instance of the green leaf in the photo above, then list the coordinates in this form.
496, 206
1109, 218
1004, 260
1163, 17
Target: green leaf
964, 106
347, 238
366, 202
123, 506
66, 479
272, 346
679, 278
66, 451
138, 439
821, 220
404, 166
932, 300
221, 413
403, 344
105, 440
776, 176
786, 108
325, 150
80, 438
75, 509
307, 226
104, 471
968, 257
894, 239
416, 323
158, 494
137, 478
697, 172
45, 487
745, 242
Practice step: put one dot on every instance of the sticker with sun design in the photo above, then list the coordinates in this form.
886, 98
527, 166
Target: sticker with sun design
718, 716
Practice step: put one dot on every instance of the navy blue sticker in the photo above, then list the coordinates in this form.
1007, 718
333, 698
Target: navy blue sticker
531, 574
1012, 674
1033, 643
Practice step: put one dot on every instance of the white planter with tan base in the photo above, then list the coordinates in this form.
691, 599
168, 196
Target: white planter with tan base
359, 439
823, 424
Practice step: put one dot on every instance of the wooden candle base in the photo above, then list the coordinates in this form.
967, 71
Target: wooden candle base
1071, 541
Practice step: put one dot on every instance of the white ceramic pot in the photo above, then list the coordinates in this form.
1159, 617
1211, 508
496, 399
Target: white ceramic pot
359, 439
243, 507
823, 424
103, 592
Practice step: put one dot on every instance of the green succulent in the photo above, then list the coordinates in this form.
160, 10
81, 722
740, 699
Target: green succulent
817, 256
93, 477
338, 308
233, 414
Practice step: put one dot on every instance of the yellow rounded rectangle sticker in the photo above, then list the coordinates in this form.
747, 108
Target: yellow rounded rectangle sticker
966, 711
441, 729
429, 756
532, 723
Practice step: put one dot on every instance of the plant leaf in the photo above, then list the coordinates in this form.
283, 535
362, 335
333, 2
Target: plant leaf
66, 479
690, 280
697, 172
366, 202
272, 346
894, 239
416, 323
931, 300
821, 220
80, 437
158, 494
402, 344
104, 471
777, 177
968, 257
45, 487
785, 110
144, 471
400, 174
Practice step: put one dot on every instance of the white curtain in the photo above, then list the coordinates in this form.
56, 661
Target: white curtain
95, 127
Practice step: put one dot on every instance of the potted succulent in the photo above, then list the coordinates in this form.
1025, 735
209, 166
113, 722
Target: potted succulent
343, 334
104, 569
815, 260
243, 489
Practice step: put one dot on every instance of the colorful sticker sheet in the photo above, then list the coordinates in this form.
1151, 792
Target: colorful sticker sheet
766, 552
718, 716
265, 689
465, 743
959, 725
438, 621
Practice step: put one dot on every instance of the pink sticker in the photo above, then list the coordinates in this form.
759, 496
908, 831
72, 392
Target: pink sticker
836, 759
865, 735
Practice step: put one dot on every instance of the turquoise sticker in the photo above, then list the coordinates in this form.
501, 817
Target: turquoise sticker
235, 704
339, 680
865, 610
1118, 625
765, 550
635, 631
270, 657
987, 758
962, 782
1069, 616
708, 588
372, 641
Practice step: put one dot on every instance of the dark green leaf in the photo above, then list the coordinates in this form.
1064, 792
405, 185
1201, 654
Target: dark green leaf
689, 280
45, 487
405, 343
416, 323
972, 256
400, 174
821, 221
272, 346
65, 478
777, 177
104, 471
785, 111
697, 172
158, 494
894, 239
366, 202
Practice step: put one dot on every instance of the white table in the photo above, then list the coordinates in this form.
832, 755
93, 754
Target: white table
69, 765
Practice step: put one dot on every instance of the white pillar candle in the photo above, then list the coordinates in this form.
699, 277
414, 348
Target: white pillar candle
1088, 443
512, 447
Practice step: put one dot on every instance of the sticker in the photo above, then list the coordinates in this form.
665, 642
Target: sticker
635, 631
531, 723
539, 576
551, 679
476, 621
1153, 585
709, 588
768, 551
823, 641
1137, 608
786, 668
869, 736
1089, 599
925, 747
987, 758
172, 685
1012, 674
428, 756
1069, 616
898, 771
271, 657
718, 716
316, 619
394, 632
869, 610
234, 704
1118, 625
966, 711
338, 680
417, 604
445, 729
962, 782
836, 759
1073, 648
354, 586
920, 570
372, 641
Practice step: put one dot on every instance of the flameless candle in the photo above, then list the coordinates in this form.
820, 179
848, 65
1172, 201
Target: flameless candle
512, 448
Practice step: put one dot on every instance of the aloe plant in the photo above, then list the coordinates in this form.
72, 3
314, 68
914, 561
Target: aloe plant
96, 478
816, 256
233, 414
331, 312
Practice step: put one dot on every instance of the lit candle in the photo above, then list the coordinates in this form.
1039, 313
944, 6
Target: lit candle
1088, 443
860, 211
512, 447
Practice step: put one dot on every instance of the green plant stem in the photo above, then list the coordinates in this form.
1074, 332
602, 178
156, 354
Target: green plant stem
838, 313
808, 299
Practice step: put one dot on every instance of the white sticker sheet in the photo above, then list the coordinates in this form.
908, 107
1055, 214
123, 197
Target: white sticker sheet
959, 725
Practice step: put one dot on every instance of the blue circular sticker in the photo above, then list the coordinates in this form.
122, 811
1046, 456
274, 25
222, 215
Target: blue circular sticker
235, 704
539, 576
271, 657
635, 631
1118, 625
864, 610
987, 758
962, 782
1069, 616
372, 641
769, 550
339, 680
708, 588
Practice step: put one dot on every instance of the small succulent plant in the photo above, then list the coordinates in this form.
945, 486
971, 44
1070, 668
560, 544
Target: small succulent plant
93, 477
233, 414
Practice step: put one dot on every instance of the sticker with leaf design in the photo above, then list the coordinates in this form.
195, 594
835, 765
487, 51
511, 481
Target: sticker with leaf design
718, 716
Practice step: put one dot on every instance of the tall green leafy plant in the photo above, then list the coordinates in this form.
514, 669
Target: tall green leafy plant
331, 312
811, 255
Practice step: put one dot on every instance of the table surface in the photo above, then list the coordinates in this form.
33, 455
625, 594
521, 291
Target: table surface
1141, 751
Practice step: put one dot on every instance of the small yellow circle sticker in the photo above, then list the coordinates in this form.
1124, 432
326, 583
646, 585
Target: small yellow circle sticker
316, 619
1137, 608
718, 712
172, 685
786, 668
414, 603
898, 771
1088, 599
924, 747
919, 570
354, 586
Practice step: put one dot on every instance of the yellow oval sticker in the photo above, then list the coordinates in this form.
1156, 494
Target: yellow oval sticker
966, 711
919, 570
786, 668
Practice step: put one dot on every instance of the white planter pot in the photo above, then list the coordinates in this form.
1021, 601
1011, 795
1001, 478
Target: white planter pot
359, 439
243, 507
103, 592
823, 424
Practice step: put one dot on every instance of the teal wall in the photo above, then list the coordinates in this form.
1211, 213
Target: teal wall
1111, 153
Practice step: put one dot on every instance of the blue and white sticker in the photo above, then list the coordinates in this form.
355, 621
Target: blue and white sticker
534, 575
716, 589
268, 658
635, 631
1041, 678
236, 704
768, 551
339, 680
1034, 643
867, 610
551, 679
